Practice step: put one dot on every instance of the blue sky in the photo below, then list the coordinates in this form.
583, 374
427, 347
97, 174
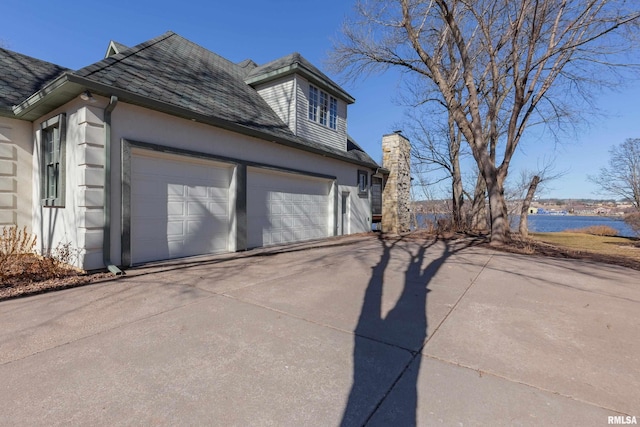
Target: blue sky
75, 36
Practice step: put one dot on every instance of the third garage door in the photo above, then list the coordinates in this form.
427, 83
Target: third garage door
286, 207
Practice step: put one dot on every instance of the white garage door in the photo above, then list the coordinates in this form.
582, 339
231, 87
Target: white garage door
284, 207
179, 207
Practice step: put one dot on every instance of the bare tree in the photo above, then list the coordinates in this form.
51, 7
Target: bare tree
506, 55
622, 176
529, 183
437, 147
523, 228
633, 220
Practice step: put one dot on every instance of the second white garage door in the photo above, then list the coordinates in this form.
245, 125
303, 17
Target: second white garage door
285, 207
179, 206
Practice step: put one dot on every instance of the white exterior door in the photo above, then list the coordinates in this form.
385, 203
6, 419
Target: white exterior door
179, 206
285, 207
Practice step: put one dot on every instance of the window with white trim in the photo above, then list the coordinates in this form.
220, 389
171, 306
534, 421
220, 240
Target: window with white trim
52, 168
313, 103
333, 112
363, 182
323, 108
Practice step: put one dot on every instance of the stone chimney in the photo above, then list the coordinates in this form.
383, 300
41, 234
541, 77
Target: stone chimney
396, 196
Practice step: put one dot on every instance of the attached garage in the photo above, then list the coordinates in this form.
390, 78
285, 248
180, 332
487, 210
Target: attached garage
180, 206
286, 207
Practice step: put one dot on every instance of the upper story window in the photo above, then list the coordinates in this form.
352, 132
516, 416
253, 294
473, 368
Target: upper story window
52, 140
333, 112
313, 103
323, 108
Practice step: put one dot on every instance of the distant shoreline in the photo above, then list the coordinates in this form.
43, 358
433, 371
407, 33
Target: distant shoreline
615, 217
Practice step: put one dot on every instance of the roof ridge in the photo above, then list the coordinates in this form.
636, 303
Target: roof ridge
114, 59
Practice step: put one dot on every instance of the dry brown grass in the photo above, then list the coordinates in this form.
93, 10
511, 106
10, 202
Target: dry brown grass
620, 251
595, 230
610, 249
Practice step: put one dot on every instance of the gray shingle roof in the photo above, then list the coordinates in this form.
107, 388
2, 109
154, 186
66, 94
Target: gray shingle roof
177, 76
247, 65
174, 70
21, 76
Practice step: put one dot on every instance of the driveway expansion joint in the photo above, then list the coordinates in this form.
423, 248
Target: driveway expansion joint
455, 305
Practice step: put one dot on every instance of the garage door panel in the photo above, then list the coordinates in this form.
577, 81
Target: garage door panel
180, 207
197, 209
175, 229
174, 190
174, 208
198, 191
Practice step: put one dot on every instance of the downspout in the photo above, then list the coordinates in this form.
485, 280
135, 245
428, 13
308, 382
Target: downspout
106, 241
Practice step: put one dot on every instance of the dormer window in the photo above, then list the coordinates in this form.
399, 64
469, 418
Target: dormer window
323, 108
333, 112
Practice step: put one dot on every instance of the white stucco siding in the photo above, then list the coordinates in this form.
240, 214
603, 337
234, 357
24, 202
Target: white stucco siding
358, 211
140, 124
79, 223
280, 94
16, 150
314, 131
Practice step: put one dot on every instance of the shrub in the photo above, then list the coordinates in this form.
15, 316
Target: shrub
19, 261
57, 262
596, 230
633, 221
439, 225
13, 243
16, 242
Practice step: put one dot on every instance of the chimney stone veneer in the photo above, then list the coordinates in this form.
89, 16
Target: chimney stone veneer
396, 196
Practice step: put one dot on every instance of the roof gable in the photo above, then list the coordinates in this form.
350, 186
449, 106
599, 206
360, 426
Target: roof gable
22, 76
292, 64
115, 48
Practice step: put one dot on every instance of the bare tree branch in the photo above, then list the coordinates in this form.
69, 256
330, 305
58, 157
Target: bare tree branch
497, 65
622, 176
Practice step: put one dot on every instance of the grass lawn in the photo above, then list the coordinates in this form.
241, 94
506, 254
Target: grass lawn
593, 247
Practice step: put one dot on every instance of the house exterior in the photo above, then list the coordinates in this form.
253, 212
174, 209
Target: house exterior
166, 150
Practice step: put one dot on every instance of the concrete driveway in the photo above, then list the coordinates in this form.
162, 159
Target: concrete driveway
352, 331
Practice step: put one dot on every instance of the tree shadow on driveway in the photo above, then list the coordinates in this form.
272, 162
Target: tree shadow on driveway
404, 327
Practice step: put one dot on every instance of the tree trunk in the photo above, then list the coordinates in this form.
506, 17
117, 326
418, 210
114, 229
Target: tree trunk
458, 198
478, 214
526, 203
457, 191
500, 228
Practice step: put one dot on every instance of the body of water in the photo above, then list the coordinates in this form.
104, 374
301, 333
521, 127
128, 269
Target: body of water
553, 223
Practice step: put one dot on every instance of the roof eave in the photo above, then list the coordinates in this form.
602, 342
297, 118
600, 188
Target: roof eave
298, 68
7, 112
68, 86
54, 94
